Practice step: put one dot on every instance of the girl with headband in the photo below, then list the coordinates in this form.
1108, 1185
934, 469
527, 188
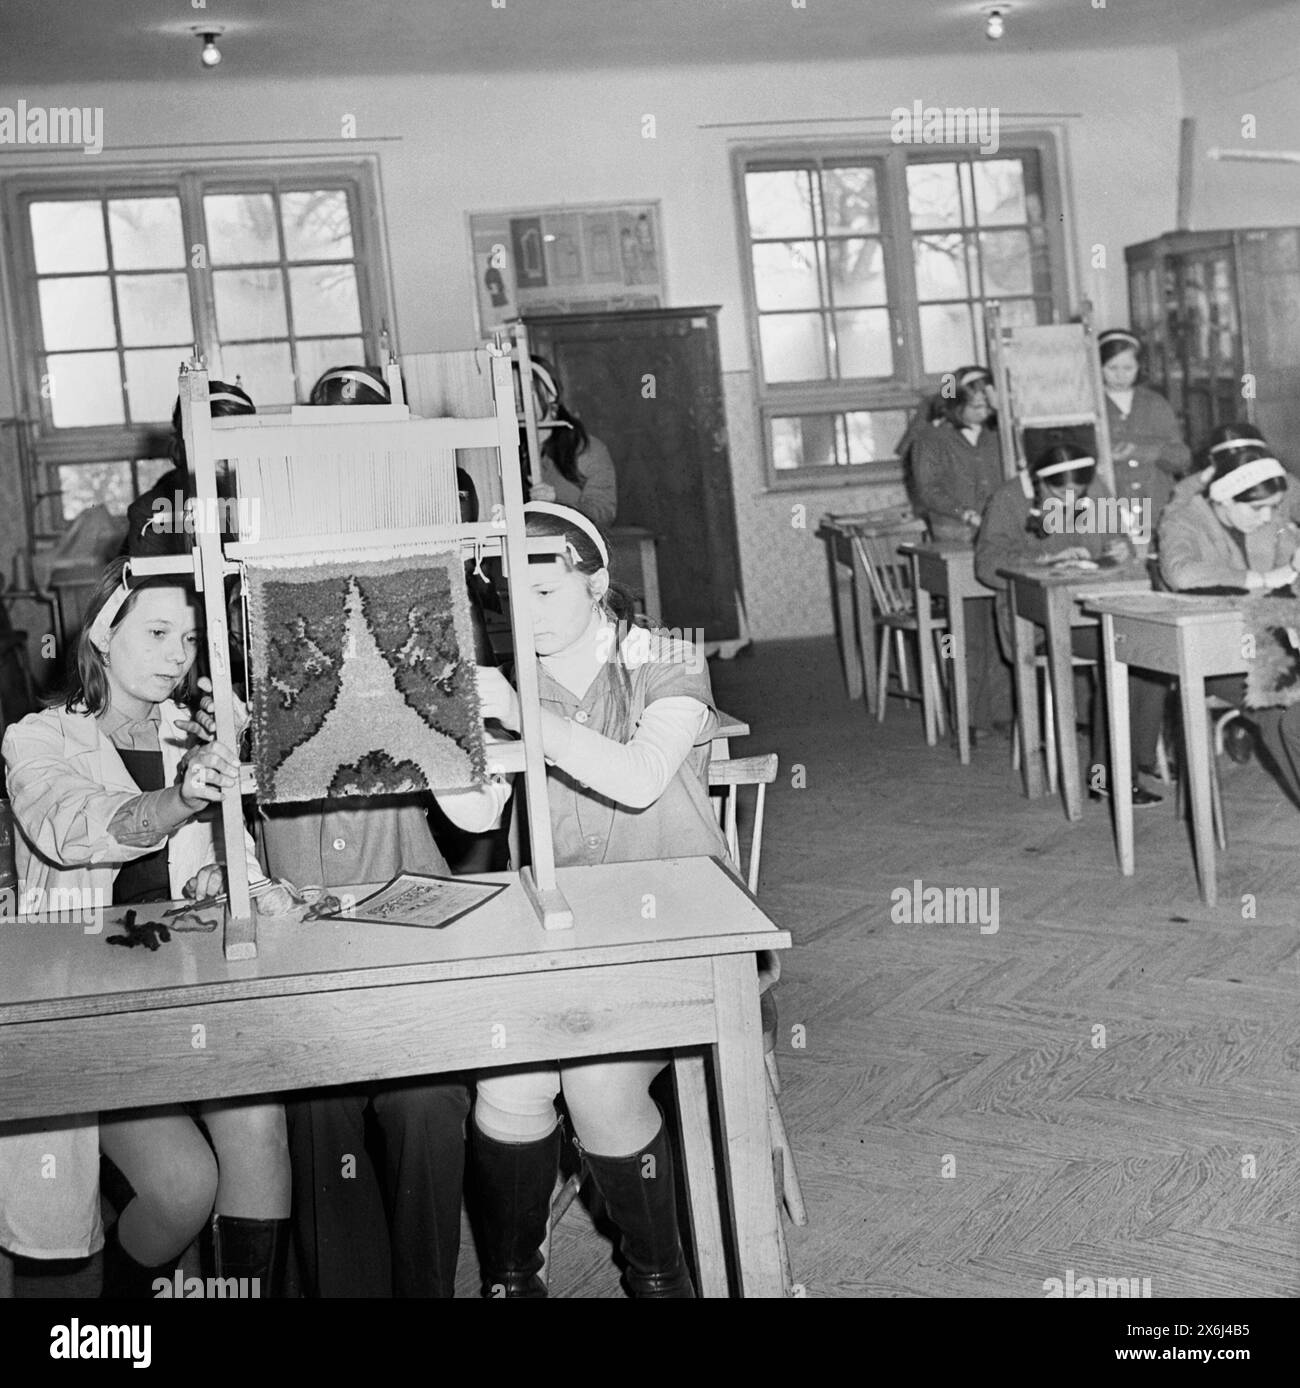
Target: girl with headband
108, 789
1235, 534
626, 726
575, 468
1026, 524
1146, 444
956, 468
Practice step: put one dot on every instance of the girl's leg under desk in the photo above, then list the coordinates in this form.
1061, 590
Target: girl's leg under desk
252, 1158
609, 1102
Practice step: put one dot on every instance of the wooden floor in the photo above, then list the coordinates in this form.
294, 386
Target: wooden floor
934, 1048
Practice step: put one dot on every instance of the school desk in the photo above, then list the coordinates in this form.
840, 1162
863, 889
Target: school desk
661, 957
1044, 597
855, 621
1191, 638
945, 570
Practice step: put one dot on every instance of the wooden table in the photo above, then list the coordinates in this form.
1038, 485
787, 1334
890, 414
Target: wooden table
634, 564
1042, 596
85, 1026
945, 570
855, 613
1191, 638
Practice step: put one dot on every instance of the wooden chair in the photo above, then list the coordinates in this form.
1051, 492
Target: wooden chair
1049, 719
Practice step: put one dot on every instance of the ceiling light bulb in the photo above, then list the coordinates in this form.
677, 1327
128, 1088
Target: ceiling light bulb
995, 25
211, 54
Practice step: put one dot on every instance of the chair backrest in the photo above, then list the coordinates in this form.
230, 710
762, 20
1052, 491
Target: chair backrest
888, 572
732, 774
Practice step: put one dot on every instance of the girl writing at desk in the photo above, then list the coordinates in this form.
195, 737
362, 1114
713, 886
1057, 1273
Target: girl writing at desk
626, 726
107, 794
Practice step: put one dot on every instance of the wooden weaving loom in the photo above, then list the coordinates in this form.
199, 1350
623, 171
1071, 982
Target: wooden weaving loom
360, 483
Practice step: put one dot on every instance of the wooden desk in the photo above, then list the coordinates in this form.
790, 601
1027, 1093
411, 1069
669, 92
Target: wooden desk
85, 1026
728, 727
855, 613
1042, 596
633, 563
945, 570
1191, 638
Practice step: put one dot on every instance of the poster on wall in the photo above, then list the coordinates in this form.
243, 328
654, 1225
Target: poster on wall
566, 260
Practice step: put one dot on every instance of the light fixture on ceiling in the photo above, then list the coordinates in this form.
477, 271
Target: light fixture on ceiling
995, 21
209, 33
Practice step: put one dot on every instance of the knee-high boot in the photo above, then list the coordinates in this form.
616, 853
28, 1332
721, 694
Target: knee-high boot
124, 1278
642, 1200
515, 1181
253, 1248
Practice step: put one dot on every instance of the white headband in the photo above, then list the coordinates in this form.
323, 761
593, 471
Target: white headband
234, 399
1245, 477
1235, 443
546, 378
104, 618
976, 373
1069, 465
567, 513
1117, 335
361, 377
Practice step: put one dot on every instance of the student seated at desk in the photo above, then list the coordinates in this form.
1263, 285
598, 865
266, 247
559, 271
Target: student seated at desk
1233, 533
107, 791
627, 718
1026, 523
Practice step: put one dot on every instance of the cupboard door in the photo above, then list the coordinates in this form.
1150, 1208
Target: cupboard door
649, 385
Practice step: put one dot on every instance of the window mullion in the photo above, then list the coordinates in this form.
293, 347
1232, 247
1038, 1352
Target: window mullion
203, 305
896, 225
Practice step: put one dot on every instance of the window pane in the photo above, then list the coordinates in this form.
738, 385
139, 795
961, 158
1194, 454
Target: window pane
999, 192
317, 225
316, 356
804, 441
851, 201
250, 303
932, 196
150, 470
874, 434
865, 343
241, 228
77, 313
325, 299
95, 484
857, 271
265, 368
146, 233
785, 275
794, 347
947, 337
151, 382
154, 308
85, 389
1005, 260
941, 267
780, 203
68, 236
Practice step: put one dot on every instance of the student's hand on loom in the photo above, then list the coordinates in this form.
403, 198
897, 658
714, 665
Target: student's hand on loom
210, 880
203, 724
498, 698
208, 772
541, 491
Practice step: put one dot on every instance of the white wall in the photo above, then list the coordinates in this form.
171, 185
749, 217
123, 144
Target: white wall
472, 144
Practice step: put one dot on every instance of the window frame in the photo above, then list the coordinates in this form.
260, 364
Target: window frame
910, 383
50, 446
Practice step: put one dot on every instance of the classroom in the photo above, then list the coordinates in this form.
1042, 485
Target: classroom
733, 569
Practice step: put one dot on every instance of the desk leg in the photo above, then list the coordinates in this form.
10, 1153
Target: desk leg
1121, 754
842, 592
1023, 635
1196, 740
742, 1099
864, 610
961, 688
1061, 672
925, 654
701, 1173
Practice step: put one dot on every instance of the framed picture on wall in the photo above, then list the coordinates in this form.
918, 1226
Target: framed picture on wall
589, 258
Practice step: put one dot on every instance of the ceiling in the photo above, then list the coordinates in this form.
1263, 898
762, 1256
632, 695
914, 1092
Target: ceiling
71, 40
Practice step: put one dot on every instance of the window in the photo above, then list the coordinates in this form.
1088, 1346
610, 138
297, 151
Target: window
274, 275
867, 273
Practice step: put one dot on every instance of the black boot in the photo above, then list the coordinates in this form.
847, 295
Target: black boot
124, 1278
253, 1249
515, 1182
642, 1200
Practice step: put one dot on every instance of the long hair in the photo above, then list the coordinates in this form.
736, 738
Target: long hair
562, 446
86, 689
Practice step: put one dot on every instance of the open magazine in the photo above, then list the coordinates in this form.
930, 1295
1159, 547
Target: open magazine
428, 902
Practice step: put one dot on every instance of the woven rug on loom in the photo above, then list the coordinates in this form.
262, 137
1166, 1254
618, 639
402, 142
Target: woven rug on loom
1271, 632
363, 678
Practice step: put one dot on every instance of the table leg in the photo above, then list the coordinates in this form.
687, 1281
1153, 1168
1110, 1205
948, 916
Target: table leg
865, 612
1023, 635
1196, 741
925, 655
842, 592
1121, 753
742, 1100
701, 1173
957, 630
1060, 605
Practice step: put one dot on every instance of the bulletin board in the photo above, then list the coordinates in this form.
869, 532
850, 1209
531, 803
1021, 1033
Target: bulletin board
601, 257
